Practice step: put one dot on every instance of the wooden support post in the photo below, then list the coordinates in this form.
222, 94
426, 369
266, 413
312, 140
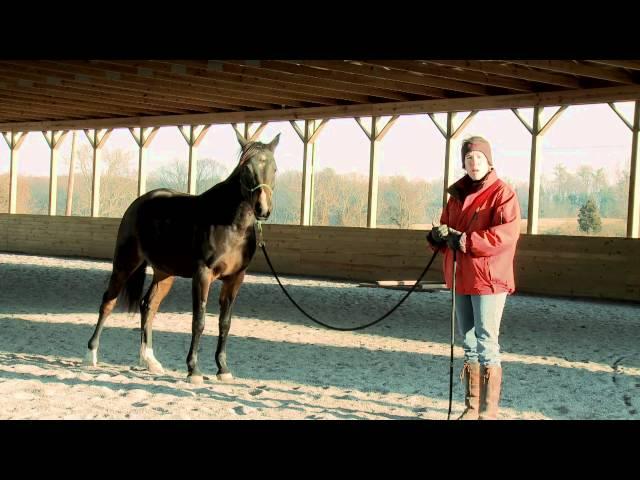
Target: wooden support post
14, 141
143, 138
311, 132
193, 139
54, 139
97, 139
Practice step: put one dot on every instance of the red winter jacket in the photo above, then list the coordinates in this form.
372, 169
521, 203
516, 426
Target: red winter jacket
489, 213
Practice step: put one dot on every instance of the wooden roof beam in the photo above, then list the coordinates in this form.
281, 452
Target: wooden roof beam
453, 73
41, 94
523, 100
292, 76
572, 68
381, 72
260, 76
237, 87
92, 95
54, 105
110, 91
512, 71
102, 77
628, 64
358, 80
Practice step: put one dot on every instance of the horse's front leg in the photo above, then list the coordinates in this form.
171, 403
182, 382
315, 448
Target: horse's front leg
228, 295
200, 291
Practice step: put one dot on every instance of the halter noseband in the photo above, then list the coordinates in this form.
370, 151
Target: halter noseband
264, 185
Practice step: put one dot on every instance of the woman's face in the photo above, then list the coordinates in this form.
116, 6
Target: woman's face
476, 165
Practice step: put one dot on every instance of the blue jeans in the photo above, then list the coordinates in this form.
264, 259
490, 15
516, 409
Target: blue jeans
478, 319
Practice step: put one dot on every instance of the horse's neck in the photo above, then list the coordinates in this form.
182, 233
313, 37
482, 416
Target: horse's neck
228, 189
224, 204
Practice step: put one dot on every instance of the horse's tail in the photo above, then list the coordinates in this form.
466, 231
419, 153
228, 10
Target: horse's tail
132, 292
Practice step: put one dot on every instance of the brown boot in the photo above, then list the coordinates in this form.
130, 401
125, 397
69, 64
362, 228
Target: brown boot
490, 382
470, 376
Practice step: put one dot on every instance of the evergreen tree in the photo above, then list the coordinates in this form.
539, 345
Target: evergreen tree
589, 217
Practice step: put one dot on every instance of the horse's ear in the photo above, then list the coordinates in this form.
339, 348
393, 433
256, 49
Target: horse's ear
274, 143
243, 141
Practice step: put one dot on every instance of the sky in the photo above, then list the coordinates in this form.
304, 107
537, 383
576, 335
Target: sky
413, 147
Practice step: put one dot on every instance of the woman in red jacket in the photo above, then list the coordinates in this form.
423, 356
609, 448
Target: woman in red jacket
482, 223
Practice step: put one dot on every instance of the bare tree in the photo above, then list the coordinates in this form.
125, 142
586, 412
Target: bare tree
23, 198
286, 198
118, 182
175, 175
402, 201
340, 199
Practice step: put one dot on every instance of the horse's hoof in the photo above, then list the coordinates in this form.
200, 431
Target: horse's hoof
152, 366
149, 362
224, 376
155, 368
195, 379
90, 359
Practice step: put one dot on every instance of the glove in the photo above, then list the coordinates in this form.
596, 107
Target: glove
457, 240
440, 233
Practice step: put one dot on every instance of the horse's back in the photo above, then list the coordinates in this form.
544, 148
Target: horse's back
158, 203
161, 220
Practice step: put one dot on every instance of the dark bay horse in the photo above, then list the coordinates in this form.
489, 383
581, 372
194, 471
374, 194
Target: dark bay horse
203, 237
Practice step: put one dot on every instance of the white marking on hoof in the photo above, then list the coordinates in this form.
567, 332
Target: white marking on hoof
91, 358
148, 361
155, 367
224, 376
195, 379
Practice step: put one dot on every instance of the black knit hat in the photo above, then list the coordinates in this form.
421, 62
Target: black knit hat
478, 144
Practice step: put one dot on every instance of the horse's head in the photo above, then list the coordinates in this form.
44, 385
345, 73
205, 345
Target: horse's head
258, 174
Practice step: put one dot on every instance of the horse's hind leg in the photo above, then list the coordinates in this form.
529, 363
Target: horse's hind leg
200, 291
158, 290
116, 284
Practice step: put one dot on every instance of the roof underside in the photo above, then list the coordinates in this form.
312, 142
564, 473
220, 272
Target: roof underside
59, 92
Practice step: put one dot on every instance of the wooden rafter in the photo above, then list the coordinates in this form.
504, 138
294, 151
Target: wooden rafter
549, 98
243, 74
513, 71
628, 64
101, 77
354, 79
408, 77
10, 82
572, 67
235, 88
99, 87
512, 84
